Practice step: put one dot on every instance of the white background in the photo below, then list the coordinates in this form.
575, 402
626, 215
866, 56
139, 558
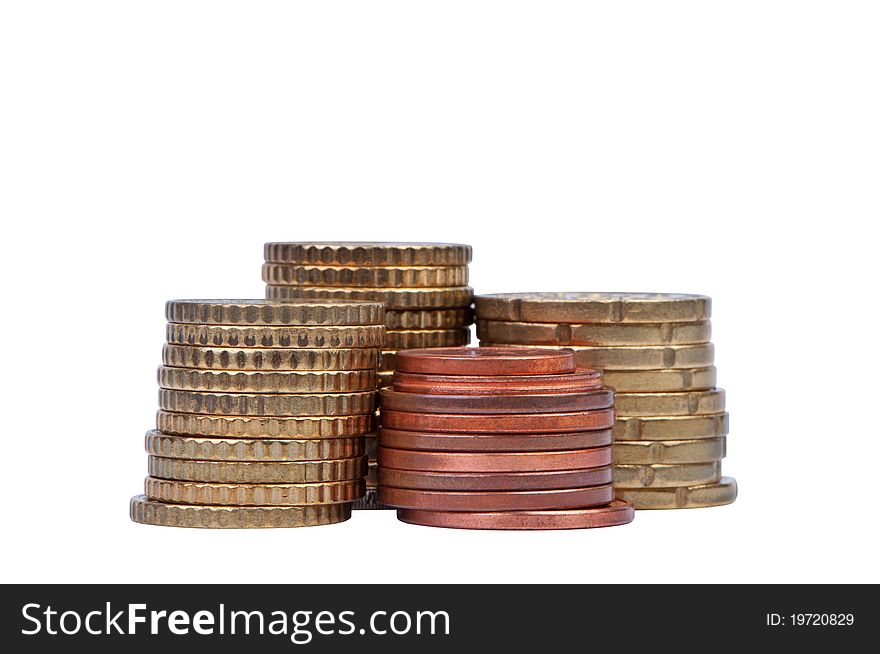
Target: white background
147, 150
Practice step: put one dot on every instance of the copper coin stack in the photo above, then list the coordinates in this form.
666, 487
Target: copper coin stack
655, 350
497, 438
263, 410
424, 287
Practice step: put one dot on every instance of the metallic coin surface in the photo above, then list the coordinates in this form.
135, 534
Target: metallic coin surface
615, 513
687, 451
369, 502
149, 512
190, 492
594, 307
267, 312
634, 358
428, 319
393, 298
267, 404
671, 428
494, 481
661, 381
421, 338
281, 274
368, 253
452, 442
493, 461
327, 381
497, 403
260, 427
567, 498
498, 423
581, 381
269, 359
662, 475
538, 333
722, 492
296, 336
485, 361
258, 472
170, 446
691, 403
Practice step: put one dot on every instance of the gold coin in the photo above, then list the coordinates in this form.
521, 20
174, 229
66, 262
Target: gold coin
371, 444
258, 472
635, 358
662, 475
282, 274
722, 492
594, 307
268, 404
534, 333
214, 358
428, 319
335, 381
317, 427
419, 338
392, 298
267, 312
297, 336
191, 492
656, 381
369, 254
689, 451
692, 403
671, 427
171, 446
161, 514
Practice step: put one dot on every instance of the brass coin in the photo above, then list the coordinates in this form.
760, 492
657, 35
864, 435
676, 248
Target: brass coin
662, 475
601, 334
190, 492
393, 298
429, 319
335, 381
635, 358
148, 512
722, 492
269, 359
298, 336
258, 472
281, 274
368, 254
656, 381
671, 428
171, 446
692, 403
267, 312
594, 307
408, 339
267, 404
261, 427
689, 451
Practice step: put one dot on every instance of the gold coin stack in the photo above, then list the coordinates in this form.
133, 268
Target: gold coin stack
655, 351
263, 407
422, 285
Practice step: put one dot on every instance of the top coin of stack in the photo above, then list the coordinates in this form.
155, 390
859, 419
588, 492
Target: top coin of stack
655, 351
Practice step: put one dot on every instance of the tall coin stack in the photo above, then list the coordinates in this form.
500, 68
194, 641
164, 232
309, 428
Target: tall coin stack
263, 411
422, 285
655, 351
498, 438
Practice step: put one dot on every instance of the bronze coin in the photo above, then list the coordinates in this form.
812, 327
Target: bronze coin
528, 403
417, 440
498, 423
584, 379
615, 513
494, 481
494, 461
567, 498
485, 361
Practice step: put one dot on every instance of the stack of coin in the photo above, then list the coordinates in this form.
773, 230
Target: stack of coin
497, 438
422, 285
263, 411
655, 351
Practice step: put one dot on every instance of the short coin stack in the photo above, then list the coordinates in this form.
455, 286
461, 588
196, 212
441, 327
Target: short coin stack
497, 438
263, 410
422, 285
655, 351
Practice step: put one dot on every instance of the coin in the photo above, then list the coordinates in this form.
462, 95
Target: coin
369, 502
494, 481
266, 312
420, 338
635, 358
261, 472
567, 498
670, 404
594, 307
498, 423
148, 512
190, 492
663, 475
267, 404
484, 361
393, 298
245, 449
298, 336
334, 381
521, 442
684, 451
672, 428
428, 319
581, 381
280, 274
538, 333
262, 427
651, 381
615, 513
493, 461
211, 358
498, 403
369, 254
722, 492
